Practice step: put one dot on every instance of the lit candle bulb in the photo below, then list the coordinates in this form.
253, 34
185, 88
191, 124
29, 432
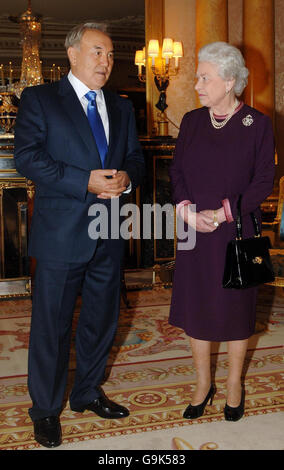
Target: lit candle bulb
2, 75
153, 50
167, 49
139, 60
178, 52
10, 73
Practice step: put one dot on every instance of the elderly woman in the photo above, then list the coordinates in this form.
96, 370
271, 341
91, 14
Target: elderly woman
224, 149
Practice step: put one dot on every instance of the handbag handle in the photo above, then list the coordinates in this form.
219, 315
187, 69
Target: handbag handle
239, 222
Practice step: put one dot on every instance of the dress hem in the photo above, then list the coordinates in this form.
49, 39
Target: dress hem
217, 340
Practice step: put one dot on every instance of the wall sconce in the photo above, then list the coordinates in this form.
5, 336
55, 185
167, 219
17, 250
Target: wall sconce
163, 70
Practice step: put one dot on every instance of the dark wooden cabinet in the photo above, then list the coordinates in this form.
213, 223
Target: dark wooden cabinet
15, 197
154, 192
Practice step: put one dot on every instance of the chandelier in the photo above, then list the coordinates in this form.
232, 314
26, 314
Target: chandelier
30, 28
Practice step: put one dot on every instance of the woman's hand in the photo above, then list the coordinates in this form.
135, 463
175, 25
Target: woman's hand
202, 221
220, 214
199, 221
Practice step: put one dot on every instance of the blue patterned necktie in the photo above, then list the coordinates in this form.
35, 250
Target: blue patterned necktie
96, 125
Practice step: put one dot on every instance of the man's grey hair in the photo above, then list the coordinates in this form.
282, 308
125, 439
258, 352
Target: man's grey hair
230, 63
74, 36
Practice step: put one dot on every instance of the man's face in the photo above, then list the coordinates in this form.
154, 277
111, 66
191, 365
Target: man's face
92, 60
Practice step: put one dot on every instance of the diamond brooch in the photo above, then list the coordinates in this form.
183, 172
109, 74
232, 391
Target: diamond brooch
248, 120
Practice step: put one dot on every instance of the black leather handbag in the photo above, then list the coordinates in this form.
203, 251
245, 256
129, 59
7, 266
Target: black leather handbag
247, 261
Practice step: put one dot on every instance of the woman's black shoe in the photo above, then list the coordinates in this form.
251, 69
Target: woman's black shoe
195, 411
235, 413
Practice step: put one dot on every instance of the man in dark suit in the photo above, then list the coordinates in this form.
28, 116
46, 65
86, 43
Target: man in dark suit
77, 142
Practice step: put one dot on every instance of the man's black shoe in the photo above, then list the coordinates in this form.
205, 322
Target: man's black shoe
47, 431
104, 408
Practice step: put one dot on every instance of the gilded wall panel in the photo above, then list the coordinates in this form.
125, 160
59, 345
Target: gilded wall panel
180, 25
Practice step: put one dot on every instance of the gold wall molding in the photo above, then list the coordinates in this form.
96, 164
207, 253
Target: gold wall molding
258, 41
211, 22
154, 29
180, 25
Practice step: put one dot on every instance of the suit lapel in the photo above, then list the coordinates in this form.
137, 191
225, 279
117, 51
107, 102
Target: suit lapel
114, 117
74, 110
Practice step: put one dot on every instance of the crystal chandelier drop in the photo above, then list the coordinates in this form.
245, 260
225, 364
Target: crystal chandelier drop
31, 74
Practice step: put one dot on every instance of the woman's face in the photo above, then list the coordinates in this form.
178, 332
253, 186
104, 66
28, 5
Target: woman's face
211, 88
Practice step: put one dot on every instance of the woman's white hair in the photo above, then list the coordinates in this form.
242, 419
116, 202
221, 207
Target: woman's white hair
230, 63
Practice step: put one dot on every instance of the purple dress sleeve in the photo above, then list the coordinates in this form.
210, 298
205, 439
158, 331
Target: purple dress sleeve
261, 185
179, 190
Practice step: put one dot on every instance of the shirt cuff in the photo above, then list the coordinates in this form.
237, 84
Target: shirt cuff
128, 189
227, 208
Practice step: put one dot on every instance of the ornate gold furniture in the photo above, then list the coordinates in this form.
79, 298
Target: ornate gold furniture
15, 195
156, 191
277, 253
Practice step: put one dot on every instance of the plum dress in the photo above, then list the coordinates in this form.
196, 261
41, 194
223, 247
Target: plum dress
211, 165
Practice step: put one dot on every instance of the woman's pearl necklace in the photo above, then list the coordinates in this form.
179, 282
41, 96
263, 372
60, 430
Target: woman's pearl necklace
219, 125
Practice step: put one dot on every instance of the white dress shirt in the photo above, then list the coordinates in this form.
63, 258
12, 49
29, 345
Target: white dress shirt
81, 89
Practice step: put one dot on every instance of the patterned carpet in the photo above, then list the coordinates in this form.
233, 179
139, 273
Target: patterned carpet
151, 372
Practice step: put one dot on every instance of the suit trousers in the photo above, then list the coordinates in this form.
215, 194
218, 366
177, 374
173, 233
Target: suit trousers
56, 289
